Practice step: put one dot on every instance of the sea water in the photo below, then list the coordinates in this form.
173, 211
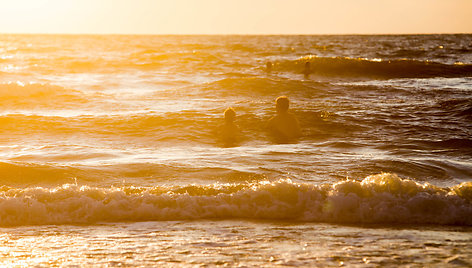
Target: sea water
109, 155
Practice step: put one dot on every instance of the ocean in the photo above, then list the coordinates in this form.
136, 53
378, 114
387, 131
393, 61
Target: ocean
110, 154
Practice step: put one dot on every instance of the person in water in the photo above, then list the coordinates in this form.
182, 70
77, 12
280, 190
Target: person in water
269, 67
284, 126
229, 131
307, 71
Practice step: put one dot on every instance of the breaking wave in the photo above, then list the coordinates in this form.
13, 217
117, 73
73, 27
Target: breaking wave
383, 198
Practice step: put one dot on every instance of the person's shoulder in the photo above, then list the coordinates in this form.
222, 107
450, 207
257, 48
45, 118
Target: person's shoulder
272, 120
292, 116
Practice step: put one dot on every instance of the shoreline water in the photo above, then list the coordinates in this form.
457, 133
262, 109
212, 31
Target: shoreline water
238, 243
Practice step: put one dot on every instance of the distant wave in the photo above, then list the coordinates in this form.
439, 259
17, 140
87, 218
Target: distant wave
419, 52
410, 65
263, 86
37, 94
357, 67
383, 198
147, 60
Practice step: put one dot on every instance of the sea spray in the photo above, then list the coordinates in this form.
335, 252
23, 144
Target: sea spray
383, 198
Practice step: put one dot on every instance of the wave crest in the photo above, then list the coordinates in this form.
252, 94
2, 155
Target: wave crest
381, 198
359, 67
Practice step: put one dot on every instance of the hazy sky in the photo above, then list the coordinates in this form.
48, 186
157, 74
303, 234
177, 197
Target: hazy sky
236, 16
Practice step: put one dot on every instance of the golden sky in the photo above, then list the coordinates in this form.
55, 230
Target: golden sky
235, 16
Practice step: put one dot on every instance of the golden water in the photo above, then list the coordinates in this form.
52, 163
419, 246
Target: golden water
110, 154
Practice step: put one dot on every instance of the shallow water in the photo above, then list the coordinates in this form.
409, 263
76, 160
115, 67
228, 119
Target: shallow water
117, 134
236, 243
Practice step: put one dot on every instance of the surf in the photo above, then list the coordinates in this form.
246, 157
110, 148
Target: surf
378, 199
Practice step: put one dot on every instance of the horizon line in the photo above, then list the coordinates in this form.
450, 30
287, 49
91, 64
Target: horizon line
235, 34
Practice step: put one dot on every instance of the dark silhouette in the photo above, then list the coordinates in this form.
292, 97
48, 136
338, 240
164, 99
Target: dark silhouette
229, 132
307, 71
284, 126
269, 67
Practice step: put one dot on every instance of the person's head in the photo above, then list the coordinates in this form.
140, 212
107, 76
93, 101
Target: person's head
230, 115
307, 65
269, 66
281, 104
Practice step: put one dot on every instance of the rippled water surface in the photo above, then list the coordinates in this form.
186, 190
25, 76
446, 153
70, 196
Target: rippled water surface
108, 152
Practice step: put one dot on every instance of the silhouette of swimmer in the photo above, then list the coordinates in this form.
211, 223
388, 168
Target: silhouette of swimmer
307, 71
284, 126
269, 67
229, 131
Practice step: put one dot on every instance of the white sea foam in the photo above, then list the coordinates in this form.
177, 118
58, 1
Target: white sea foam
383, 198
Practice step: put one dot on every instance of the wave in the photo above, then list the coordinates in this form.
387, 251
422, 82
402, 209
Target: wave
149, 127
53, 172
381, 199
170, 61
37, 94
156, 129
35, 174
264, 86
460, 107
358, 67
452, 143
438, 52
409, 53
